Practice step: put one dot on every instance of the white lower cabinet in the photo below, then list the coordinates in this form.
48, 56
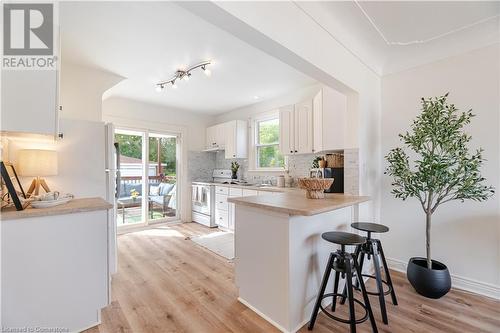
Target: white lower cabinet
55, 271
222, 218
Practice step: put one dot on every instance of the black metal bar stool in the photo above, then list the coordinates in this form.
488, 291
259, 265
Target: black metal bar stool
344, 263
373, 248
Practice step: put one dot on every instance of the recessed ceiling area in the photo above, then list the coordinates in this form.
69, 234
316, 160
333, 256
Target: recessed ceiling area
147, 42
390, 36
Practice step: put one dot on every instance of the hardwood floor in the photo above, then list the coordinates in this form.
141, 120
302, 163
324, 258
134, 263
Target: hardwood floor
167, 283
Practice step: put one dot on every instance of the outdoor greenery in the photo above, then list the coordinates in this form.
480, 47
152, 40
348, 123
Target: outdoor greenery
268, 136
440, 168
131, 146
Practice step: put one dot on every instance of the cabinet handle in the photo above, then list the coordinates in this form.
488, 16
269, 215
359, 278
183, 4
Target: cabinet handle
291, 151
295, 151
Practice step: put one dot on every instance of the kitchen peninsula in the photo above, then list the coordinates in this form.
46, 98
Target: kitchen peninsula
280, 255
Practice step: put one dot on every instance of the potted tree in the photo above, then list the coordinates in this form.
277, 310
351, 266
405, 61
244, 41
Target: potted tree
440, 169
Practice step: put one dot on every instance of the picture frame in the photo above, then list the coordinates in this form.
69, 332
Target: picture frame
10, 180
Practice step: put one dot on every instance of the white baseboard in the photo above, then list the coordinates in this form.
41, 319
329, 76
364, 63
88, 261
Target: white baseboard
272, 322
458, 282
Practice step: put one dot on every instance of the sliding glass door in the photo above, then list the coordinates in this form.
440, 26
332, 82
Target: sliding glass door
148, 188
162, 175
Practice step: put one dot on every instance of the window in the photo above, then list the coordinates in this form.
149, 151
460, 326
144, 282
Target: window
267, 154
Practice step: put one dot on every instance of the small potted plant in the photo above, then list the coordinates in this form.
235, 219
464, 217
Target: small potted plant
440, 169
134, 194
234, 169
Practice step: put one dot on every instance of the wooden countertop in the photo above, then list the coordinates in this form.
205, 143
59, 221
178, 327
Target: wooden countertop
296, 203
74, 206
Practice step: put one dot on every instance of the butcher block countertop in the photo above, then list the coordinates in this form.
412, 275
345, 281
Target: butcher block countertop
295, 202
74, 206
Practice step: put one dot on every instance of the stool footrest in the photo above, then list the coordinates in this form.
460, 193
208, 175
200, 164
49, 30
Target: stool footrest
375, 293
342, 320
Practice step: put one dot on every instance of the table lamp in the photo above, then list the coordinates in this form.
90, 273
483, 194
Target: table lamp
37, 163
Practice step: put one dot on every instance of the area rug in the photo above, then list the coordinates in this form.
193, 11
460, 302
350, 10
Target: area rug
219, 242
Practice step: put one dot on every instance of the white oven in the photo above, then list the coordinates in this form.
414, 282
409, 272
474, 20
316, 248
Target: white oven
202, 203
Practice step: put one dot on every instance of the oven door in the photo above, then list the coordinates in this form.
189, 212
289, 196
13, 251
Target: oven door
201, 199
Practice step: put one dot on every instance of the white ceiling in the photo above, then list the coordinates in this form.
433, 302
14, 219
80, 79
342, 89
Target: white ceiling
147, 42
390, 36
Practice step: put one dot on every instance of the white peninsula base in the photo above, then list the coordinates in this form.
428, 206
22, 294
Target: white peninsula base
280, 259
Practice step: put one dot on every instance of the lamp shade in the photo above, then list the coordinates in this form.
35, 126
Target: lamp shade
37, 163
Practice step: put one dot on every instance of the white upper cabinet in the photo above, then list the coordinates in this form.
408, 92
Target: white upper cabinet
30, 101
329, 119
236, 139
296, 128
287, 130
216, 137
231, 136
304, 127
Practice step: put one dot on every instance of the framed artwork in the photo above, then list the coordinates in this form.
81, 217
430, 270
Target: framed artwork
11, 182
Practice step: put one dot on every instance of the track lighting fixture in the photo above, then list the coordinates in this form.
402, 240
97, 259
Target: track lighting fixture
184, 75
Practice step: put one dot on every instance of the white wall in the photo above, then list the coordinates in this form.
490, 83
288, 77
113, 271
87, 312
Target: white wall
465, 236
191, 126
82, 89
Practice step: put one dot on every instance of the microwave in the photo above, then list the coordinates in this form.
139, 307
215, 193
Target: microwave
336, 173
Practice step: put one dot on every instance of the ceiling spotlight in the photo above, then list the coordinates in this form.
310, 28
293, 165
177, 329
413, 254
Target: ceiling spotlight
256, 97
207, 71
184, 75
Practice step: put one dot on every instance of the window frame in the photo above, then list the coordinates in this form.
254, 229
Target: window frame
255, 145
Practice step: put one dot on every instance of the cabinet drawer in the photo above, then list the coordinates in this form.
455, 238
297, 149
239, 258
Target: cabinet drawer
247, 193
221, 190
221, 202
235, 192
222, 218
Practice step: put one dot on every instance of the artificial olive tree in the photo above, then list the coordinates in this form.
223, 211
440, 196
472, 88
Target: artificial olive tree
440, 168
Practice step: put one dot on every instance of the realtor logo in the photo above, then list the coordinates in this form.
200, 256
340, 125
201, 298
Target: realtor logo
28, 29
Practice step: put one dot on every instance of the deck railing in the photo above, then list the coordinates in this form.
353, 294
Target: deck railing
151, 179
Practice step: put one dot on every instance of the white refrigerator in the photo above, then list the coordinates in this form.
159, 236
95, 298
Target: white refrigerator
112, 169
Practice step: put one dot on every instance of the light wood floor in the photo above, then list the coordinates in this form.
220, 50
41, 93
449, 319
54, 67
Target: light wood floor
167, 283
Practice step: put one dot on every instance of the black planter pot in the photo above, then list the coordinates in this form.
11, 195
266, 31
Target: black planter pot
431, 283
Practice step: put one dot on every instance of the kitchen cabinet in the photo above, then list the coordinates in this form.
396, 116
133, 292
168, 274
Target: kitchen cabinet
55, 269
30, 101
329, 119
236, 139
287, 131
231, 136
296, 128
216, 138
304, 127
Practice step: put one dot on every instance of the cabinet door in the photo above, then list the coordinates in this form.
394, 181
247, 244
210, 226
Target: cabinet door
287, 144
303, 127
333, 119
318, 122
210, 140
230, 139
29, 101
222, 218
220, 135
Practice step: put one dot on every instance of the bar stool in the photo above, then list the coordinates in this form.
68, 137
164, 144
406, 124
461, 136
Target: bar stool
373, 247
344, 263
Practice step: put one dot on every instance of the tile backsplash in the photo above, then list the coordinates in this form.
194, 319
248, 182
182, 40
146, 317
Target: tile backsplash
201, 165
